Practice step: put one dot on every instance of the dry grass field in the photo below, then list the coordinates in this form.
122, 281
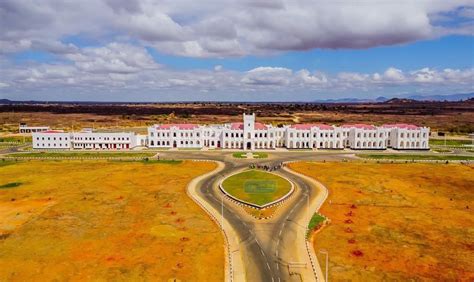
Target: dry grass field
105, 221
396, 222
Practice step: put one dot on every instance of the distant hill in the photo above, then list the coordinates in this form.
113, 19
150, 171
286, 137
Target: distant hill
450, 97
410, 98
400, 101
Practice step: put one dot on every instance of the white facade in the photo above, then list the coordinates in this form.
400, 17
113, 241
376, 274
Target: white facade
24, 128
51, 139
86, 140
406, 136
251, 135
103, 141
246, 135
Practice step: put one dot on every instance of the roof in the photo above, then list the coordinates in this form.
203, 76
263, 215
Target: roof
308, 126
52, 131
358, 125
260, 126
237, 125
240, 125
185, 126
401, 125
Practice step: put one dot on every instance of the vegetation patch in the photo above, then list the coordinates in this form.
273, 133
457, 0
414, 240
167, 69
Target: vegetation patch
415, 157
15, 139
256, 187
449, 142
10, 185
443, 150
256, 155
81, 154
239, 155
261, 213
170, 162
316, 221
260, 155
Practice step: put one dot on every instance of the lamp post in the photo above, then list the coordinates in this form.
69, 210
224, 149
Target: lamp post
324, 251
222, 212
307, 206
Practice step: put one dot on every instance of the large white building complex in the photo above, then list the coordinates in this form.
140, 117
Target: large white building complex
247, 135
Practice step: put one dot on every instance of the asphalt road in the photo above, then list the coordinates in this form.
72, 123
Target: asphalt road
268, 246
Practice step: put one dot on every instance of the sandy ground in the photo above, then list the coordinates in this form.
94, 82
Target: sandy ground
396, 221
97, 220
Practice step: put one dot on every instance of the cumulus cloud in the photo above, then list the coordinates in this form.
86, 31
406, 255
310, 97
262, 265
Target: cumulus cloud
267, 76
113, 58
233, 28
123, 67
306, 78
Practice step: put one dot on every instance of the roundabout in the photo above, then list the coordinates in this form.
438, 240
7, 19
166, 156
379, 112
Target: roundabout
255, 188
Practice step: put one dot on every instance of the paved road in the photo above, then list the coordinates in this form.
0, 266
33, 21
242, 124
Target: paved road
272, 250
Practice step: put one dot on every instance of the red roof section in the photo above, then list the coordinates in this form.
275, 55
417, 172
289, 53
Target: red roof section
308, 126
237, 125
401, 125
184, 126
260, 126
240, 125
358, 125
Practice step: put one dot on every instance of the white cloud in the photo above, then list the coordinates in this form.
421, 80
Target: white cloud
393, 74
119, 67
267, 76
212, 28
113, 58
307, 78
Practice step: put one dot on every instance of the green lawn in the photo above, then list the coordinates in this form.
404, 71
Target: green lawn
10, 185
256, 155
239, 155
316, 220
73, 154
415, 157
260, 155
15, 139
256, 187
442, 150
450, 142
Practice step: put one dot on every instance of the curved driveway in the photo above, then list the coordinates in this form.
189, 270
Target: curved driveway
274, 249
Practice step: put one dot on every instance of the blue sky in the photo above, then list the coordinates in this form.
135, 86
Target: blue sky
446, 52
142, 50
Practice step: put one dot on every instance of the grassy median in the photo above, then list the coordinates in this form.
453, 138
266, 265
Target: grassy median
256, 187
82, 154
416, 157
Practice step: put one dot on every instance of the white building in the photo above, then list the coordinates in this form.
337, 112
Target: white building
245, 135
86, 140
252, 135
407, 136
51, 139
24, 128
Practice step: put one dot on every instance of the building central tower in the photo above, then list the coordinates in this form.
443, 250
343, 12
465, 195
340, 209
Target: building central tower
249, 128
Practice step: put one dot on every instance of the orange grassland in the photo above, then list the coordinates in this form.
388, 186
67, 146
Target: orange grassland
396, 221
105, 221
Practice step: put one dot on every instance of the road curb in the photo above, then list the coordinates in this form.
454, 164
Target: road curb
314, 208
234, 267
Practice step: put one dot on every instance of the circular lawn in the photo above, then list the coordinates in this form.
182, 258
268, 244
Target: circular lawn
256, 187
